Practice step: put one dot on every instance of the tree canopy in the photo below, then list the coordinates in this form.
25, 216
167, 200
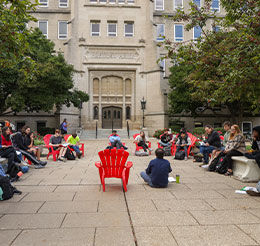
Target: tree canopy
223, 66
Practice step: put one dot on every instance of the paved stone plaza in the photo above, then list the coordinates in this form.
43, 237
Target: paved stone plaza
64, 205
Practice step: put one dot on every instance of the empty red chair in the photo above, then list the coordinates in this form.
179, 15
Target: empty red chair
54, 153
137, 148
81, 146
113, 164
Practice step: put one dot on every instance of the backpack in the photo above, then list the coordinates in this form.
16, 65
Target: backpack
69, 155
167, 151
6, 189
216, 162
198, 158
222, 165
61, 126
180, 155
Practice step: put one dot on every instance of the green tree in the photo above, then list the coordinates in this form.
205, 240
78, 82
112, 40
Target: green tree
226, 63
45, 82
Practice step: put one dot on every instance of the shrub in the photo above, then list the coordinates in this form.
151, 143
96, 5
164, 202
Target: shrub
158, 133
198, 131
38, 139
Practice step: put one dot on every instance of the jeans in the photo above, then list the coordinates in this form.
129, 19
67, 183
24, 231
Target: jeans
146, 178
165, 144
143, 145
185, 149
118, 145
11, 156
76, 148
206, 150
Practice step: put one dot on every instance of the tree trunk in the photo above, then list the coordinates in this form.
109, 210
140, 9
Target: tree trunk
240, 115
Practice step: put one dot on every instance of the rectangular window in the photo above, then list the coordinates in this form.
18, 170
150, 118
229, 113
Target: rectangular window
121, 1
160, 32
178, 4
63, 3
63, 30
43, 3
130, 1
215, 5
95, 29
20, 125
215, 28
111, 29
102, 1
112, 1
43, 26
198, 124
247, 127
197, 2
163, 67
159, 4
196, 32
93, 1
178, 33
40, 125
129, 29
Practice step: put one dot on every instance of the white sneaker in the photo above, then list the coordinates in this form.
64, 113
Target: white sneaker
24, 163
185, 158
150, 149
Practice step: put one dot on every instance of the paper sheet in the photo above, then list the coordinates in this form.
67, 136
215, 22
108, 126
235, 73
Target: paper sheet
171, 179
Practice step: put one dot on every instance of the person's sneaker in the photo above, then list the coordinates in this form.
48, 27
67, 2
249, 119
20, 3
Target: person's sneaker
79, 155
185, 158
43, 163
14, 179
125, 148
150, 149
38, 166
24, 163
18, 192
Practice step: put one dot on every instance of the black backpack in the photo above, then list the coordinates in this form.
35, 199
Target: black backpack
222, 165
6, 187
167, 151
180, 155
69, 155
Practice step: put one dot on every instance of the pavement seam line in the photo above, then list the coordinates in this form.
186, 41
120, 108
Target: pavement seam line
193, 217
130, 219
172, 235
94, 239
246, 233
63, 220
16, 237
40, 207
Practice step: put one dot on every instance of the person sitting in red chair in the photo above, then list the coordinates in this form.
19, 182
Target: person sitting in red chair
115, 141
183, 142
142, 141
166, 139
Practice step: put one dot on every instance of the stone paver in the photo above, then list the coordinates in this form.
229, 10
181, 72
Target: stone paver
64, 205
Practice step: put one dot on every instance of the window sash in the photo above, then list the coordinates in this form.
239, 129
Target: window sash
196, 32
129, 29
43, 3
95, 25
215, 5
63, 30
178, 33
130, 1
102, 1
112, 1
63, 3
197, 2
159, 4
121, 1
112, 29
43, 26
178, 4
160, 31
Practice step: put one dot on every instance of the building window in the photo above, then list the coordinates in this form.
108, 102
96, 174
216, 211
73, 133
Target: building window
95, 28
247, 127
20, 125
128, 113
95, 113
43, 26
198, 124
159, 4
43, 3
93, 1
178, 4
197, 2
111, 29
63, 30
215, 28
63, 3
196, 32
130, 1
217, 125
129, 29
40, 125
102, 1
163, 67
121, 1
215, 5
160, 32
178, 33
112, 1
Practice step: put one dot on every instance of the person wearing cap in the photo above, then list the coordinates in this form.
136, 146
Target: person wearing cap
115, 141
183, 142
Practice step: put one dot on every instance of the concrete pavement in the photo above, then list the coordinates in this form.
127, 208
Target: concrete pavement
64, 205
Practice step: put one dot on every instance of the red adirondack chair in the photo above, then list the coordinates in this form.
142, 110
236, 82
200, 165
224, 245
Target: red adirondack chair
111, 144
193, 140
137, 148
81, 146
54, 153
114, 165
161, 147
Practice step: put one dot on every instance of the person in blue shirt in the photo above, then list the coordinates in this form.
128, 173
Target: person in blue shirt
157, 172
115, 141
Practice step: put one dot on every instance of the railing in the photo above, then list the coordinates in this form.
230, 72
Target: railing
96, 129
128, 131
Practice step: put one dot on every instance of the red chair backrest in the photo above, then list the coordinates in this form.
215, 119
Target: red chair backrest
113, 162
135, 135
221, 137
47, 138
66, 137
193, 139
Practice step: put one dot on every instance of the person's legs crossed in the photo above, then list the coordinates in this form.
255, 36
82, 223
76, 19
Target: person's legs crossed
146, 178
76, 148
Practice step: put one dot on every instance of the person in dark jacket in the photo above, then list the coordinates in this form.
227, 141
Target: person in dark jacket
255, 153
212, 142
18, 140
157, 172
166, 139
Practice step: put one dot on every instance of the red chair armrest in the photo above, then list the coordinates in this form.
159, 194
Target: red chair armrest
98, 164
129, 164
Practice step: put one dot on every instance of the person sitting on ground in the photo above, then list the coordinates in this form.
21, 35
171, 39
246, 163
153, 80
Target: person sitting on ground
29, 143
166, 139
183, 142
226, 127
115, 141
157, 172
255, 152
213, 142
142, 141
56, 141
74, 142
18, 140
234, 147
7, 151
